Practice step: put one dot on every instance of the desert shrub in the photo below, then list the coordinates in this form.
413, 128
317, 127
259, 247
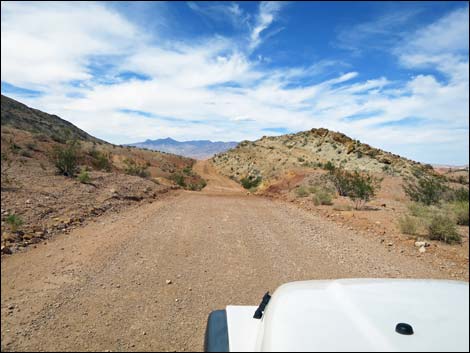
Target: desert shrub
301, 191
322, 197
197, 186
443, 228
14, 221
84, 177
329, 166
460, 211
425, 187
360, 187
178, 179
66, 158
460, 195
300, 159
100, 160
250, 182
137, 169
422, 211
187, 170
408, 224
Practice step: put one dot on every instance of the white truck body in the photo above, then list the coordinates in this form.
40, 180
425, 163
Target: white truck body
355, 315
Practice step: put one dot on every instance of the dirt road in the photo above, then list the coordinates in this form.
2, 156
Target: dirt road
103, 287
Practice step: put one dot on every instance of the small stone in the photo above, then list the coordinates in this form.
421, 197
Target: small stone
422, 249
28, 201
118, 286
177, 300
390, 244
421, 243
6, 250
168, 281
11, 307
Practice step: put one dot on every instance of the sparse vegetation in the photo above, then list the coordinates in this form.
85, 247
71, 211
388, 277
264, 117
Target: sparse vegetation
100, 160
135, 168
460, 209
442, 227
409, 224
178, 179
322, 197
425, 187
66, 158
14, 221
360, 187
302, 191
250, 182
84, 177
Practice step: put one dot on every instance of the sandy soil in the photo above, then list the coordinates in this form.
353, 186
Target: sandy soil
104, 286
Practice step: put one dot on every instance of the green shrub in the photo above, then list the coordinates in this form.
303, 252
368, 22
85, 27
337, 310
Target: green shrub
66, 158
363, 187
460, 195
443, 228
178, 179
14, 221
409, 224
322, 197
250, 182
84, 177
360, 187
329, 166
137, 169
425, 187
460, 210
188, 171
301, 191
100, 160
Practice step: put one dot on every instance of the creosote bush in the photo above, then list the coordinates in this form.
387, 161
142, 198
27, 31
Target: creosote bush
250, 182
425, 186
409, 224
360, 187
137, 169
66, 158
442, 227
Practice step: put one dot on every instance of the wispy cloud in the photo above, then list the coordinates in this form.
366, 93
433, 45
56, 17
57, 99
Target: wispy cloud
268, 12
221, 12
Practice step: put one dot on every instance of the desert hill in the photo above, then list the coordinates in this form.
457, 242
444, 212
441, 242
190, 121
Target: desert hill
270, 157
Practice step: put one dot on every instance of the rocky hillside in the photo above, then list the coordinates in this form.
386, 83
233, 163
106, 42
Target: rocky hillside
199, 149
270, 157
22, 117
39, 200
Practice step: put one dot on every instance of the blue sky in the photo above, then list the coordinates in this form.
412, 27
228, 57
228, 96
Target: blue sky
391, 74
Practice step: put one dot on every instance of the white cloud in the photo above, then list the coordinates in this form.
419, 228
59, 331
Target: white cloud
46, 43
268, 10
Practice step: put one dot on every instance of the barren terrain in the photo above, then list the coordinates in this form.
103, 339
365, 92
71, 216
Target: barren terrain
146, 278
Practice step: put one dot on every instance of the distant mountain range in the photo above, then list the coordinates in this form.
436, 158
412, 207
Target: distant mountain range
199, 149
